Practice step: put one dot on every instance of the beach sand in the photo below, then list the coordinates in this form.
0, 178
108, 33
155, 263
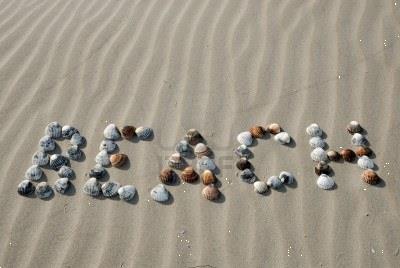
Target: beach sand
219, 67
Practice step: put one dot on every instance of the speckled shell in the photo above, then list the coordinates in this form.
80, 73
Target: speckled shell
53, 130
68, 131
247, 176
245, 138
110, 188
243, 164
333, 155
205, 163
111, 132
34, 173
193, 137
103, 159
144, 133
118, 160
286, 177
128, 132
260, 187
274, 128
189, 175
108, 145
159, 193
74, 153
316, 142
61, 185
47, 143
348, 155
207, 177
365, 162
210, 192
274, 182
57, 161
43, 190
318, 154
322, 168
201, 150
127, 192
176, 161
257, 132
65, 172
183, 148
361, 150
369, 176
282, 138
25, 187
358, 140
354, 127
325, 182
242, 151
314, 130
92, 187
77, 140
98, 172
167, 176
40, 158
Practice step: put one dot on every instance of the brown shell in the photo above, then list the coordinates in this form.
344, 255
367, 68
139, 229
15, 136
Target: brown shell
193, 136
274, 128
189, 175
257, 132
243, 163
322, 168
128, 132
210, 192
118, 160
361, 151
167, 176
348, 155
370, 176
207, 177
333, 155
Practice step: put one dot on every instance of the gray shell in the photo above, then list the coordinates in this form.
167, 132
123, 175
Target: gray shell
47, 143
43, 190
282, 138
260, 187
318, 155
314, 130
111, 132
108, 145
57, 161
74, 153
65, 172
248, 176
205, 163
25, 187
127, 192
359, 140
274, 182
110, 188
103, 159
159, 193
98, 172
92, 187
53, 130
40, 158
77, 140
183, 148
245, 138
286, 177
325, 182
61, 185
34, 173
242, 151
317, 142
144, 133
68, 131
365, 162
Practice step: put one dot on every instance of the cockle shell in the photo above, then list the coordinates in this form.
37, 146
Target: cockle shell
318, 154
260, 187
286, 177
40, 158
242, 151
183, 148
47, 143
68, 131
53, 130
57, 161
111, 132
108, 145
66, 172
74, 153
167, 176
159, 193
61, 185
314, 130
144, 133
245, 138
358, 140
243, 164
77, 140
189, 175
34, 173
207, 177
333, 155
247, 176
110, 188
322, 168
370, 177
257, 132
176, 161
362, 150
98, 172
325, 182
365, 162
274, 182
128, 132
201, 150
25, 187
316, 142
354, 127
127, 192
282, 138
92, 187
210, 192
205, 163
274, 128
43, 190
102, 158
193, 137
118, 160
348, 155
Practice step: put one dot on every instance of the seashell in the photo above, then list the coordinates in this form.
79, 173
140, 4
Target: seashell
242, 151
167, 176
111, 132
189, 175
110, 188
176, 161
66, 172
354, 127
286, 177
61, 185
128, 132
53, 130
314, 130
74, 153
68, 131
207, 177
103, 159
365, 162
205, 163
77, 140
245, 138
282, 138
47, 143
359, 140
183, 148
144, 133
274, 182
318, 154
348, 155
127, 192
362, 150
98, 172
193, 137
118, 160
370, 177
316, 142
325, 182
274, 128
260, 187
25, 187
159, 193
248, 176
92, 187
201, 150
210, 192
333, 155
322, 168
108, 145
40, 158
57, 161
34, 173
257, 132
243, 164
43, 190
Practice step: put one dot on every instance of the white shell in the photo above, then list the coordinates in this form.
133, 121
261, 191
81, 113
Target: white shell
159, 193
47, 143
286, 177
325, 182
110, 188
68, 131
111, 132
34, 173
40, 158
260, 187
144, 133
77, 139
53, 130
200, 149
205, 163
61, 185
57, 161
318, 155
316, 142
274, 182
43, 190
358, 140
108, 145
92, 187
74, 153
365, 162
282, 138
65, 172
248, 176
127, 192
242, 151
314, 130
245, 138
102, 158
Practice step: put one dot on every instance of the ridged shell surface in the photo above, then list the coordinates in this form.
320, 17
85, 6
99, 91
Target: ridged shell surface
47, 143
210, 192
92, 187
34, 173
43, 190
201, 150
176, 161
128, 132
109, 145
359, 140
207, 177
57, 161
77, 140
318, 154
274, 182
369, 176
25, 187
316, 142
127, 192
314, 130
74, 153
118, 160
260, 187
365, 162
144, 133
242, 151
40, 158
189, 175
325, 182
111, 132
193, 137
68, 131
66, 172
286, 177
54, 130
102, 158
110, 188
205, 163
61, 185
98, 172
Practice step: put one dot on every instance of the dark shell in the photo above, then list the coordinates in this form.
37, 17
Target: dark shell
43, 190
110, 188
97, 172
167, 176
26, 187
53, 130
257, 132
361, 151
189, 175
68, 131
286, 177
193, 137
61, 185
57, 161
92, 187
354, 127
210, 192
243, 164
77, 140
248, 176
74, 153
370, 177
348, 155
322, 168
128, 132
66, 172
333, 155
118, 160
183, 148
176, 161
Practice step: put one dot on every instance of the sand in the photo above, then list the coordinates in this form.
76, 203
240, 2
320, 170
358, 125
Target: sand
220, 67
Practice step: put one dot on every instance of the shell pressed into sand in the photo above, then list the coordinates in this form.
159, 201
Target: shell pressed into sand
118, 160
92, 187
318, 154
210, 192
111, 132
25, 187
127, 192
314, 130
325, 182
159, 193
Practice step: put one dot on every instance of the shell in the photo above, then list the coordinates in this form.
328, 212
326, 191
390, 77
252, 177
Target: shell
201, 150
316, 142
108, 145
361, 150
205, 163
369, 176
144, 133
193, 137
243, 164
354, 127
103, 159
68, 131
159, 193
189, 175
245, 138
118, 160
325, 182
98, 172
77, 140
207, 177
167, 176
333, 155
210, 192
111, 132
248, 176
25, 187
322, 168
40, 158
318, 154
74, 153
359, 140
66, 172
348, 155
57, 161
286, 177
34, 173
43, 190
47, 143
365, 162
110, 188
92, 187
274, 182
128, 132
127, 192
53, 130
274, 128
282, 138
314, 130
183, 148
61, 185
260, 187
242, 151
257, 132
176, 161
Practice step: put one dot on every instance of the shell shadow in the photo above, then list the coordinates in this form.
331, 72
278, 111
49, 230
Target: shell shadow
190, 153
293, 185
266, 193
376, 167
281, 189
363, 131
331, 172
176, 181
324, 135
57, 149
71, 190
380, 184
99, 197
84, 143
266, 136
50, 197
221, 199
217, 183
134, 200
217, 171
169, 202
372, 155
291, 144
44, 177
126, 165
134, 139
210, 153
32, 195
253, 144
